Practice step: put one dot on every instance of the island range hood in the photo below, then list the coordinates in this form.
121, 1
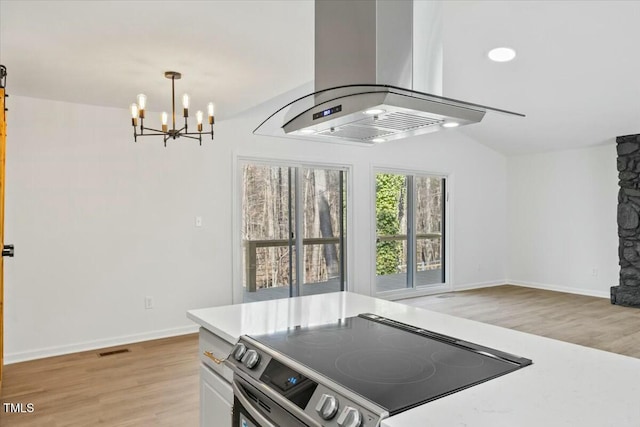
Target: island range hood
378, 76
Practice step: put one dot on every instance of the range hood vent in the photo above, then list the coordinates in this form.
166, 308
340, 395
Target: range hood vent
370, 128
378, 76
403, 122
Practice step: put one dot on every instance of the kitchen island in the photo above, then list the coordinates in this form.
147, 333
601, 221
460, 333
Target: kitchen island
567, 384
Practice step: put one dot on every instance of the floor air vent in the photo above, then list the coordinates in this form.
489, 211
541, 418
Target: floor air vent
111, 353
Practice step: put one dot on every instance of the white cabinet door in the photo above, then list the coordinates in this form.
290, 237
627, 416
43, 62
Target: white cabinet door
216, 399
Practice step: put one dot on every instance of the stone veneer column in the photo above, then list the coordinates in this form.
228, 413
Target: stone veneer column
628, 292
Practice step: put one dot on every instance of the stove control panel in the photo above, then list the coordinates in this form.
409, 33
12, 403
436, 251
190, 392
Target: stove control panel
350, 417
327, 406
347, 413
251, 359
239, 351
248, 359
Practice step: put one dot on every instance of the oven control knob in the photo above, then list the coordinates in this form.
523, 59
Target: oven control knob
251, 359
239, 351
327, 406
350, 417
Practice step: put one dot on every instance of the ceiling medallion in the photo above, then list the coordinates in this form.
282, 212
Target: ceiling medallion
138, 110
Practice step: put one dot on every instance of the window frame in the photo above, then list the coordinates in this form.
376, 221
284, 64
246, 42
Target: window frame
447, 250
237, 185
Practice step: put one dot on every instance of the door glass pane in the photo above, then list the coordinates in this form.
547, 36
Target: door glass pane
391, 231
323, 214
429, 225
267, 222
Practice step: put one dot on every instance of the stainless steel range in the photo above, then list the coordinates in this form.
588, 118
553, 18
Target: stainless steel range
354, 372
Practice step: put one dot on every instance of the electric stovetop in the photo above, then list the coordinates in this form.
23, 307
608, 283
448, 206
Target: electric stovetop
394, 365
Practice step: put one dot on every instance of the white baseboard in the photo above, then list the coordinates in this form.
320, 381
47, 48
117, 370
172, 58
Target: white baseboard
399, 294
548, 287
431, 290
93, 345
478, 285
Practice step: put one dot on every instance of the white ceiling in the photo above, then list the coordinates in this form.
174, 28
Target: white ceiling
576, 76
234, 53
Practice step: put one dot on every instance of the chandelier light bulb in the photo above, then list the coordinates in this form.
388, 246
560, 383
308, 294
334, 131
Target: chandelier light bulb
210, 112
142, 101
199, 120
134, 115
142, 104
185, 105
165, 119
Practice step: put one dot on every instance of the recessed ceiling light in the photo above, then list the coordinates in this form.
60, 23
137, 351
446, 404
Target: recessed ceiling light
374, 111
307, 131
378, 140
502, 54
450, 125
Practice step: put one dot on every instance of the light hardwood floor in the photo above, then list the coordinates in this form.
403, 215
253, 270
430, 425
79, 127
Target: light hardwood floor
588, 321
156, 383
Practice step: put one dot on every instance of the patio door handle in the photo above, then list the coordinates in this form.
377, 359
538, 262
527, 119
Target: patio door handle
8, 250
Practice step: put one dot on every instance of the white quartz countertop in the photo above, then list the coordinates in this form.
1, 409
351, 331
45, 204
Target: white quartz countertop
567, 385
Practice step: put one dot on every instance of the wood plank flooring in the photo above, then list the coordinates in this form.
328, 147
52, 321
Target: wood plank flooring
156, 383
588, 321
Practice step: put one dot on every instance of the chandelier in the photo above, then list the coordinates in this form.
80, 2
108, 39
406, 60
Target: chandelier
138, 112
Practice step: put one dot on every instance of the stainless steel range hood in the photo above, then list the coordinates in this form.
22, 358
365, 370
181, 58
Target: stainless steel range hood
378, 76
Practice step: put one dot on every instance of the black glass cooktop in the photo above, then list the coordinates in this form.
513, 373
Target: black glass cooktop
394, 365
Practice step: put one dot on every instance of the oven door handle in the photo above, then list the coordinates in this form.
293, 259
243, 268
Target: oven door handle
246, 404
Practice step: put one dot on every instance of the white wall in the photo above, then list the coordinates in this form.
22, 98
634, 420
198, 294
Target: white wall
562, 220
100, 222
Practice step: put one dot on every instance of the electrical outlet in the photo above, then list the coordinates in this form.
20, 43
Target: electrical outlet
594, 272
148, 302
198, 221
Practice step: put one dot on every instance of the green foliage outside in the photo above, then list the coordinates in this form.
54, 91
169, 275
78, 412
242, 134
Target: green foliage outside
389, 196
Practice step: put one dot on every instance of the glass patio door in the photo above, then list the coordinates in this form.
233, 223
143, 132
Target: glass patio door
323, 230
279, 261
410, 238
